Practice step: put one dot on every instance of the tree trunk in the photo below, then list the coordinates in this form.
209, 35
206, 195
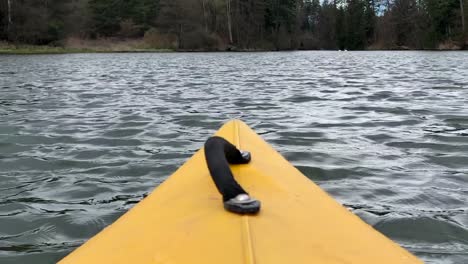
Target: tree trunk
228, 10
462, 16
236, 22
204, 16
9, 16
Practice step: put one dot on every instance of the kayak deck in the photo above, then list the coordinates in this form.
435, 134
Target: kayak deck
183, 220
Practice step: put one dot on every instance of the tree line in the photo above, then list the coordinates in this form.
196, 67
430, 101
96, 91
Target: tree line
240, 24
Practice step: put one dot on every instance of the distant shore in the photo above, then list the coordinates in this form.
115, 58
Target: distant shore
139, 46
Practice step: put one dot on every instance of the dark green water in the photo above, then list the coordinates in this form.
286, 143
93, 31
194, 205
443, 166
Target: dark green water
85, 137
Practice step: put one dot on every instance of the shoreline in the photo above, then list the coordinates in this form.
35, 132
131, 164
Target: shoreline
11, 49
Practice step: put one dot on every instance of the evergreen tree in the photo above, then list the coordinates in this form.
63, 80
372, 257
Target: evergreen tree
109, 16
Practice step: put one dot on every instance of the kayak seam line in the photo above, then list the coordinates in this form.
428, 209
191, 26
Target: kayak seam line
236, 134
248, 246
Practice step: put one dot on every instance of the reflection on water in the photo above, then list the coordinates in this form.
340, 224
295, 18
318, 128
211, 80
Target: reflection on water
85, 137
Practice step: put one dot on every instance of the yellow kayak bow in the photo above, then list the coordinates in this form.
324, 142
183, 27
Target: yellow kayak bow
183, 220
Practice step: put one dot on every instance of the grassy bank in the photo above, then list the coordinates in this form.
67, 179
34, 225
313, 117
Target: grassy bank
64, 50
40, 50
80, 46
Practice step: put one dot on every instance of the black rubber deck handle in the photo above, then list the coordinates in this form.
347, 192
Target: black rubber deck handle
219, 153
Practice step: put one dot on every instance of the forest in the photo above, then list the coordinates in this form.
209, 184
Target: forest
240, 24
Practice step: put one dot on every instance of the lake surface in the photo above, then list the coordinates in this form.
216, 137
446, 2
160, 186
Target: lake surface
84, 137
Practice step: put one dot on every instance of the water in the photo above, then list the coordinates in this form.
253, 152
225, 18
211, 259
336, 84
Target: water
85, 137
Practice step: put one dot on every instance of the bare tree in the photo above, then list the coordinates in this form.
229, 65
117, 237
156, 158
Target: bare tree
204, 16
462, 16
9, 16
228, 10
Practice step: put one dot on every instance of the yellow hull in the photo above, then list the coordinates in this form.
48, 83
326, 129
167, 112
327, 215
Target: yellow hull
183, 220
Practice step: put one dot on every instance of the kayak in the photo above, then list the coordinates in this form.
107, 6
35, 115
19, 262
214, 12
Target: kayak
183, 220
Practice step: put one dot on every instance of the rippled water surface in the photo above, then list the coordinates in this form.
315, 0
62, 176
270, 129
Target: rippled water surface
85, 137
